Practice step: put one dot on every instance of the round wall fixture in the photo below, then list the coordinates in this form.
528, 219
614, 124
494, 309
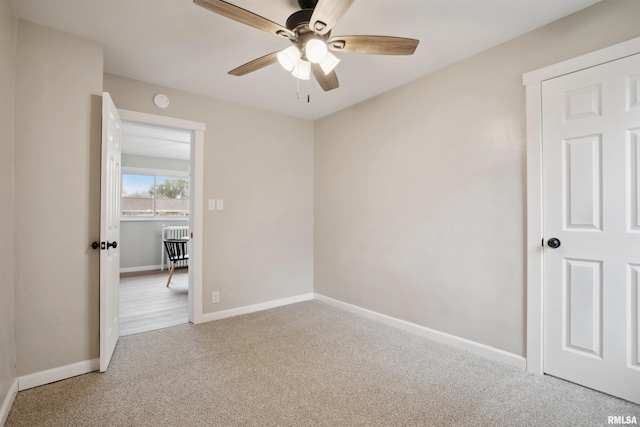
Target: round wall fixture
161, 100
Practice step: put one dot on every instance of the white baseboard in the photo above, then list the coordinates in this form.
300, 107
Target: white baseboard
8, 401
442, 337
142, 268
63, 372
217, 315
56, 374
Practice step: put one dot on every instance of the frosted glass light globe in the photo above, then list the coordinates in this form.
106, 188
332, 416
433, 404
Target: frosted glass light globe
289, 57
329, 63
302, 70
315, 50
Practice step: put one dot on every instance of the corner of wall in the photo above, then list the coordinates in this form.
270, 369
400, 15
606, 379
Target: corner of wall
8, 46
7, 402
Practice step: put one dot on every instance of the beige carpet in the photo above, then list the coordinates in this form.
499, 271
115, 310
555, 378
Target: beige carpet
306, 364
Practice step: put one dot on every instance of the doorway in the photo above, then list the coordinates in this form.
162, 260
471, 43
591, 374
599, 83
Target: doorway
583, 120
196, 169
155, 178
112, 118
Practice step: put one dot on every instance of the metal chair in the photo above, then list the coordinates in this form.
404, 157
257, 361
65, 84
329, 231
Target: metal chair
176, 251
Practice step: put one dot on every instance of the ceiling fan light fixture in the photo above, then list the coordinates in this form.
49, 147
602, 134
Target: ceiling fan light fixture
289, 57
315, 50
302, 70
329, 63
309, 29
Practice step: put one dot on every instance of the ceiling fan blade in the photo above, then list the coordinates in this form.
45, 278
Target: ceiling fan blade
244, 16
327, 13
374, 45
327, 81
255, 65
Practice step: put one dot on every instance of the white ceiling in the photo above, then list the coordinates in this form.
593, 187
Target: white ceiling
177, 44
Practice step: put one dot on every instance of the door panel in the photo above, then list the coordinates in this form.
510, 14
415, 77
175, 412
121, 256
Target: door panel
633, 181
583, 178
583, 299
591, 123
633, 92
634, 315
582, 103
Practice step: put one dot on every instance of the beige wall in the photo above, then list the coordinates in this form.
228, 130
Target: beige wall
260, 247
8, 32
57, 153
420, 192
140, 244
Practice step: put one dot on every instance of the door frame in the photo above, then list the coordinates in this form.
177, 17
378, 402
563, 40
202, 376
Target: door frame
534, 223
196, 198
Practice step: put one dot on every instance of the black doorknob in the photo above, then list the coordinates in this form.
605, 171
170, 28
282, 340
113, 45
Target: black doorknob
112, 245
553, 243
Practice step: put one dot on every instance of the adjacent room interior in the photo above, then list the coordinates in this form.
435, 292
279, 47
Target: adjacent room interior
154, 210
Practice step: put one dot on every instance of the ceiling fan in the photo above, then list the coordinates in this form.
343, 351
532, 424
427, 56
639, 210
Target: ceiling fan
309, 29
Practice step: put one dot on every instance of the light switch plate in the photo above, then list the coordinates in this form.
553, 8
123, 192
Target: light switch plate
219, 204
212, 205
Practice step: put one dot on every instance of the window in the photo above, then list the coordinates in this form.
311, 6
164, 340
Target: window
154, 196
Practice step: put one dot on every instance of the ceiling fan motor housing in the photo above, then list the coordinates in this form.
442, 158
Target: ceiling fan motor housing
299, 18
307, 4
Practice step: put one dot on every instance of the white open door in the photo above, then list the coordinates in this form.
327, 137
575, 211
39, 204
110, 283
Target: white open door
591, 138
109, 231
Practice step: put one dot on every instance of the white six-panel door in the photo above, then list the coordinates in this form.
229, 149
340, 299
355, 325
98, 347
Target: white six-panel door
591, 186
109, 231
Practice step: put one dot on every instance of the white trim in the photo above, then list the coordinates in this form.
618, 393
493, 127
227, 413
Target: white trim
136, 170
535, 227
164, 121
608, 54
217, 315
141, 268
155, 219
195, 213
196, 220
441, 337
7, 402
57, 374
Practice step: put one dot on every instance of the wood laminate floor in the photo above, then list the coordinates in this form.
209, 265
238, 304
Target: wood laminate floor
146, 303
